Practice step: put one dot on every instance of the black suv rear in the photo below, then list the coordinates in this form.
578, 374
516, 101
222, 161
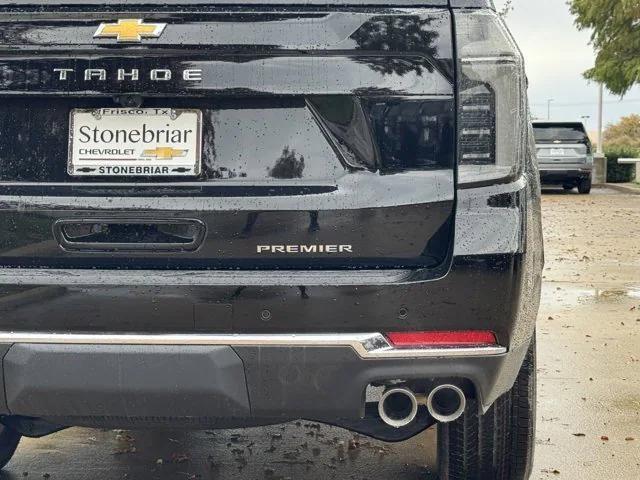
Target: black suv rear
219, 215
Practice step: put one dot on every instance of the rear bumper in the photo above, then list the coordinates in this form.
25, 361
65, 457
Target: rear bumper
559, 174
220, 385
71, 357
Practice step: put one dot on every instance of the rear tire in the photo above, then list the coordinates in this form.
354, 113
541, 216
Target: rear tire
584, 186
498, 445
9, 440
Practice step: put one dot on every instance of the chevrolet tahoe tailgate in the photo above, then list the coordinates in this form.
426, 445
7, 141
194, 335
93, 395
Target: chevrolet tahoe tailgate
320, 137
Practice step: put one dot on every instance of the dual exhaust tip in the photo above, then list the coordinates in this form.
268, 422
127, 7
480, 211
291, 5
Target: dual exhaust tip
398, 406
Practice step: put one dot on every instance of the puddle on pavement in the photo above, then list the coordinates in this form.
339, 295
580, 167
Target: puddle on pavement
554, 293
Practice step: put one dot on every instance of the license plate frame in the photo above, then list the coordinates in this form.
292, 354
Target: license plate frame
131, 142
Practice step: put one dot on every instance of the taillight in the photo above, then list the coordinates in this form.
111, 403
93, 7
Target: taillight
492, 110
477, 128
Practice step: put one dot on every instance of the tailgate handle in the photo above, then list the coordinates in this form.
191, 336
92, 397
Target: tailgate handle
149, 235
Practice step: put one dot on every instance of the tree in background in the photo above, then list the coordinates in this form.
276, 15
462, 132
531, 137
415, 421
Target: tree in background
624, 134
506, 8
622, 140
616, 38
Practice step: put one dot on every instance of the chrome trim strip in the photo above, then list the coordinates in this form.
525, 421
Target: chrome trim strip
293, 278
366, 345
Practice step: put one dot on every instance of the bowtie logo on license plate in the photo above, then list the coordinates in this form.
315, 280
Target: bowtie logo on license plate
130, 30
164, 153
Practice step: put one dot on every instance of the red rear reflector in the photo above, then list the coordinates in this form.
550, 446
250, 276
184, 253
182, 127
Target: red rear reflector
441, 338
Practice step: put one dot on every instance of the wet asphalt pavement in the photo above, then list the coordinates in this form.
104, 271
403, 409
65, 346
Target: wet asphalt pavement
588, 390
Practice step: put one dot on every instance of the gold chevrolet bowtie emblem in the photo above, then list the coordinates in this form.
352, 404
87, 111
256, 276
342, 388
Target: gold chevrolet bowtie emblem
164, 153
130, 30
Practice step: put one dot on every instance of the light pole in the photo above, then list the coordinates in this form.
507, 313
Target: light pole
599, 160
600, 150
549, 108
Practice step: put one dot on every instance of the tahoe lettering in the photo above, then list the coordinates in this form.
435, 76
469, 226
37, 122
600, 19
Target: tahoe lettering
131, 75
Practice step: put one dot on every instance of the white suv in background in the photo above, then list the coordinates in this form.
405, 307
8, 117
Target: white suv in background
564, 154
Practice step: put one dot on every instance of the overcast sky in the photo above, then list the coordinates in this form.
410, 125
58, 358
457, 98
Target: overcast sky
556, 54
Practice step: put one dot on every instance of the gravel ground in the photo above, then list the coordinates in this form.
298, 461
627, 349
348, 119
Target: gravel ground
589, 338
589, 386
